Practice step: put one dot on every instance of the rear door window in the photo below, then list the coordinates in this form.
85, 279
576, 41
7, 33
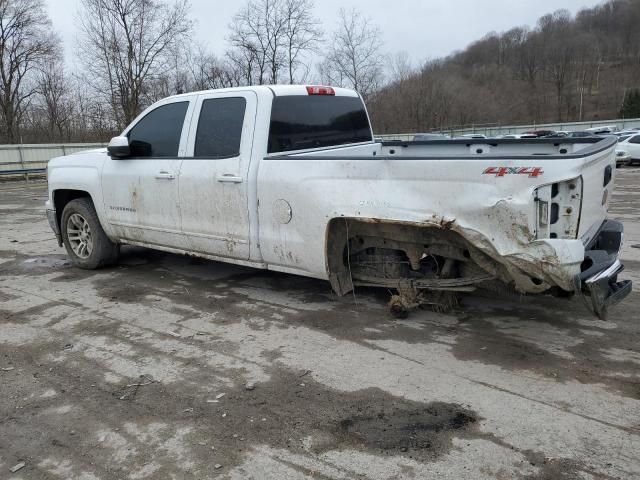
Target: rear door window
311, 121
220, 127
158, 133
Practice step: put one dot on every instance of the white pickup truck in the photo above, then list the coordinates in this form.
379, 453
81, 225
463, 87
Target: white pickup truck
289, 178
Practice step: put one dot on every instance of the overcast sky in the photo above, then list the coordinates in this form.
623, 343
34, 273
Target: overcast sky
425, 29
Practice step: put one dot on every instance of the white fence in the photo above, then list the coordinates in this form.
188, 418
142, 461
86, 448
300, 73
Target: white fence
23, 157
621, 123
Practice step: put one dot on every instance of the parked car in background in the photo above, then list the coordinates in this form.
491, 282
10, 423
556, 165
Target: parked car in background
518, 135
423, 137
558, 134
580, 134
631, 145
622, 158
626, 133
603, 129
541, 133
473, 136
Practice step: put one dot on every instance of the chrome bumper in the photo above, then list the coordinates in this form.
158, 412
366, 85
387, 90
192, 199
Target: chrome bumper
53, 223
598, 281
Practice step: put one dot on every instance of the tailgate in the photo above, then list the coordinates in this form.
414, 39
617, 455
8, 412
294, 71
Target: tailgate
598, 179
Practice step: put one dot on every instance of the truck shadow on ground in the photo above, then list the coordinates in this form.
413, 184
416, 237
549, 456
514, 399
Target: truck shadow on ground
555, 338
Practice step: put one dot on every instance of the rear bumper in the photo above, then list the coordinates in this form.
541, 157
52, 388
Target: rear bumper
598, 281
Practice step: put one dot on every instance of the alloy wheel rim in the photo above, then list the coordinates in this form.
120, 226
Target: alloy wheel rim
79, 235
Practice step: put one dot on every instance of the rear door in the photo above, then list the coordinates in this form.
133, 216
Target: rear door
141, 191
297, 195
214, 180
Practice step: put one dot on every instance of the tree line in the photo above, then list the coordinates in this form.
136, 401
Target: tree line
131, 53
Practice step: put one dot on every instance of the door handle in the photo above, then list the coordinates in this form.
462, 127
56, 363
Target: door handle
163, 175
230, 178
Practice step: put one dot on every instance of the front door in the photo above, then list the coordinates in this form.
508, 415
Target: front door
141, 192
214, 182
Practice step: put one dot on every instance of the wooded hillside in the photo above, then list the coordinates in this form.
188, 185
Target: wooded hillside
565, 69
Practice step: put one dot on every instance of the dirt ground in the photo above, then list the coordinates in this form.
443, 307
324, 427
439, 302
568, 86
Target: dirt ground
168, 367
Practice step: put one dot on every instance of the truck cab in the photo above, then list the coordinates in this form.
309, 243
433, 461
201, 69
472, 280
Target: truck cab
183, 175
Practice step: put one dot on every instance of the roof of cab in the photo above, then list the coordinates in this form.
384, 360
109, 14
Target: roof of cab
275, 90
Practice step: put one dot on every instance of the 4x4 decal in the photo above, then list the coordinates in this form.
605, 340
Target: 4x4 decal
502, 171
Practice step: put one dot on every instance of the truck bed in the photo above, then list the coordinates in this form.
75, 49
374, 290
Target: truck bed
520, 211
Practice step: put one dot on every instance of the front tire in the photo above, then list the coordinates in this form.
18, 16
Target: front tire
86, 243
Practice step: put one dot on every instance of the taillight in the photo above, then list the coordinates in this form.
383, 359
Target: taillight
320, 90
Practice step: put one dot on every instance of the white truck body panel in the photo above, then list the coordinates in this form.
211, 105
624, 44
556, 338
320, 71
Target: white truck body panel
497, 215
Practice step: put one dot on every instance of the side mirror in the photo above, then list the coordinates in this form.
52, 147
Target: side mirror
119, 147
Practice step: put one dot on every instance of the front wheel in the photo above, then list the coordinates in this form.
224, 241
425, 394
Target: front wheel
86, 243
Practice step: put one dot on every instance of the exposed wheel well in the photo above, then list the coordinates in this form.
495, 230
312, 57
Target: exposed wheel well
383, 252
62, 197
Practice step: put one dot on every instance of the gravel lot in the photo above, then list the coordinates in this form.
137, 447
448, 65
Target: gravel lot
173, 367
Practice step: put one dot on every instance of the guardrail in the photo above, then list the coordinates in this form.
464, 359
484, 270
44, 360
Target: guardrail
31, 159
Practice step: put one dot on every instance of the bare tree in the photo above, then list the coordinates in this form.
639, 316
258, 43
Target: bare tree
275, 25
302, 33
560, 53
92, 120
55, 94
255, 39
125, 45
400, 67
271, 36
26, 44
208, 71
243, 63
354, 57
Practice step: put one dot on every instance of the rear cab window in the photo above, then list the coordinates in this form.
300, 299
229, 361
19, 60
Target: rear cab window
301, 122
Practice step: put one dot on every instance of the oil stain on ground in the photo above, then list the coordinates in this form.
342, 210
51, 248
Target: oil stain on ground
423, 430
